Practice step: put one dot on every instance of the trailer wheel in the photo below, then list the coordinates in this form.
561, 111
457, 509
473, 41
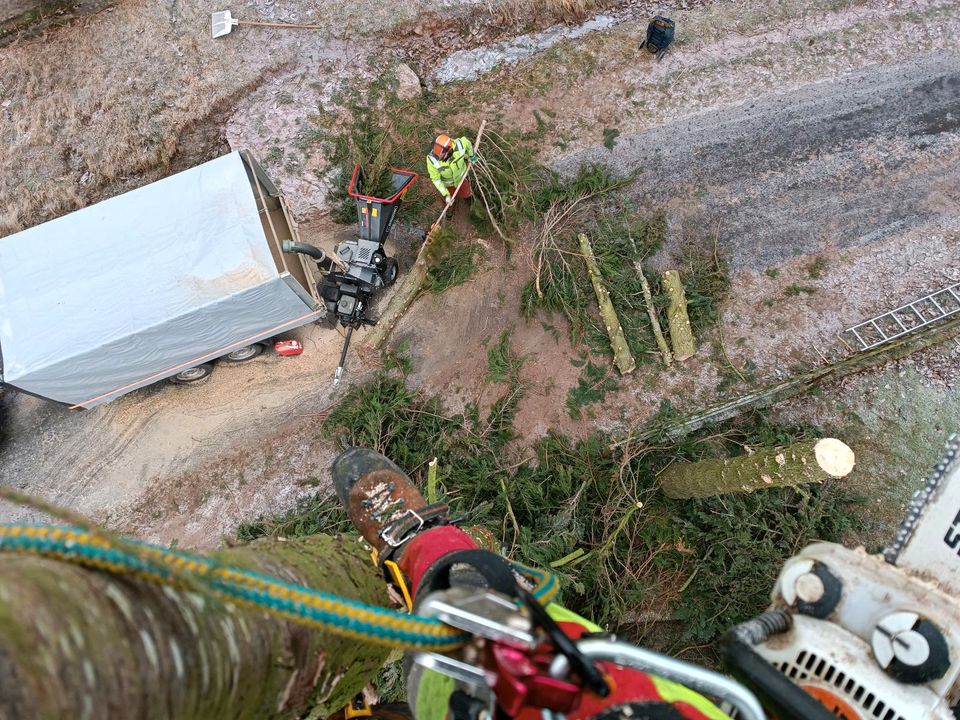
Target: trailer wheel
192, 375
244, 354
390, 271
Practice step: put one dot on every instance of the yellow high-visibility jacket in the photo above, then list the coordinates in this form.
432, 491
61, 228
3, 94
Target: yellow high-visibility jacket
448, 173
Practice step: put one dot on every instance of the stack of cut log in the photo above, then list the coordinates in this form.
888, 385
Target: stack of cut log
681, 334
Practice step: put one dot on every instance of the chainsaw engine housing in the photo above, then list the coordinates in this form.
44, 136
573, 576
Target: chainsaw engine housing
878, 636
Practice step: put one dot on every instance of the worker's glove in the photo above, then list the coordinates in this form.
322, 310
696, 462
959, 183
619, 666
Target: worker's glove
473, 158
449, 200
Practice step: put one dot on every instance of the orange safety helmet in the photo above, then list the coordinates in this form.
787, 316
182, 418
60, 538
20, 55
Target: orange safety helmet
442, 146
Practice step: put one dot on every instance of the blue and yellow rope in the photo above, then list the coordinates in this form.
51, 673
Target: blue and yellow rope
249, 588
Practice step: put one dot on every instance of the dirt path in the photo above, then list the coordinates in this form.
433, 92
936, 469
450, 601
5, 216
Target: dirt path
102, 462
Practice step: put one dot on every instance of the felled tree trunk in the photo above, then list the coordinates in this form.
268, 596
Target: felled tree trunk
652, 314
681, 334
621, 351
805, 462
410, 287
80, 643
929, 336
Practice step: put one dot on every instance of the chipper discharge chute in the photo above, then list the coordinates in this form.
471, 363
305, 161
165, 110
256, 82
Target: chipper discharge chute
360, 266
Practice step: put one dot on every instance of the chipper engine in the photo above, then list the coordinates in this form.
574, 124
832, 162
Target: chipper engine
360, 266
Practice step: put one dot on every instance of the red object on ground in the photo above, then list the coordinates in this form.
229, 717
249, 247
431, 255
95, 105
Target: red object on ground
286, 348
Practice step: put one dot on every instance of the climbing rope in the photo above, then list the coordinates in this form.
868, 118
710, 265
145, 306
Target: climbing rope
249, 588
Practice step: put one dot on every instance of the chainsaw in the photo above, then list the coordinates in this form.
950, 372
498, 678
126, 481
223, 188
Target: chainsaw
847, 635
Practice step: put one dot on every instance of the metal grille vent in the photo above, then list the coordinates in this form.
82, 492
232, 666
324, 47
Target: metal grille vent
364, 254
808, 665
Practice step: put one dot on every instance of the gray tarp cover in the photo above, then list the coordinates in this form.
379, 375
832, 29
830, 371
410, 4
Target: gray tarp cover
136, 288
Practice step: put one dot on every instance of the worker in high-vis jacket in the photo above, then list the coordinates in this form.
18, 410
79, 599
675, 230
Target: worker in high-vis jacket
447, 165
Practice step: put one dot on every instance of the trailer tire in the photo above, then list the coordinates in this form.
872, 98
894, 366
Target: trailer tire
244, 354
193, 375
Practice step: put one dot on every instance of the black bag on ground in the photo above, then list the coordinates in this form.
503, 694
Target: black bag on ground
660, 32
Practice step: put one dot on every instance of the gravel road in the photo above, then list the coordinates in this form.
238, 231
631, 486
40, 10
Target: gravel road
840, 163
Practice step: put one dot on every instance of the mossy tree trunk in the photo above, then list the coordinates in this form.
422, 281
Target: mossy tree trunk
902, 347
410, 286
82, 644
622, 356
797, 464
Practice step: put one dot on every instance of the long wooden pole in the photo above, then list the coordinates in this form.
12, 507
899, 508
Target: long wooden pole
415, 278
263, 23
618, 342
799, 384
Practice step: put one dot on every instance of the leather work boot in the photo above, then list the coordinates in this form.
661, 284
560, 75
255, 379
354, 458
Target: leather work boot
381, 500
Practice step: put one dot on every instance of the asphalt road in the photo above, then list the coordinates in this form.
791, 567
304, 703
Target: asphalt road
837, 163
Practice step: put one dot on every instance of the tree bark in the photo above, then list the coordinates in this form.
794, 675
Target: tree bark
83, 644
413, 281
652, 314
681, 334
805, 462
621, 350
410, 287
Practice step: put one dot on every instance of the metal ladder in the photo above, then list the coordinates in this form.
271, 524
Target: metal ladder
907, 318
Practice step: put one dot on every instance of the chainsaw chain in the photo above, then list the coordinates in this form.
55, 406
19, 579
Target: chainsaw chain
922, 497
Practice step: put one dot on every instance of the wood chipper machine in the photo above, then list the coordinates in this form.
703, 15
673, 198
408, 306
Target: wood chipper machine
359, 266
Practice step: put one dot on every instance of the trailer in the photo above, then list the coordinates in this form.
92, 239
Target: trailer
156, 283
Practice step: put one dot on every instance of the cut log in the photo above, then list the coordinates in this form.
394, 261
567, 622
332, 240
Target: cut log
681, 334
83, 643
798, 464
415, 278
652, 314
622, 357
